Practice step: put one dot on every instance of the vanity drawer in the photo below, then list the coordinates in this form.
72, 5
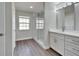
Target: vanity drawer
73, 48
76, 39
71, 44
74, 42
69, 53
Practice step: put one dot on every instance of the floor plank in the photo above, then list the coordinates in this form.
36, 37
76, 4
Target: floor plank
31, 48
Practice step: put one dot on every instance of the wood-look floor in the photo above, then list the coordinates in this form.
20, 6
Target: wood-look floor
31, 48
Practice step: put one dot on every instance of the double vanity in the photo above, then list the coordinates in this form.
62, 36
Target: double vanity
66, 44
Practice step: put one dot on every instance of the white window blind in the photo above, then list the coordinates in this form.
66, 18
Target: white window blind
24, 23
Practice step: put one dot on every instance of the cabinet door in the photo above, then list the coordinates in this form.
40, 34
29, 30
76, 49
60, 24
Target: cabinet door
52, 41
59, 43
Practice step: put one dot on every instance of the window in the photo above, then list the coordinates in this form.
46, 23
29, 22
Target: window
24, 23
39, 23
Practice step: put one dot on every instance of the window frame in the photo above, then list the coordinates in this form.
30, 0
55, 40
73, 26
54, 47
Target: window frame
39, 25
24, 23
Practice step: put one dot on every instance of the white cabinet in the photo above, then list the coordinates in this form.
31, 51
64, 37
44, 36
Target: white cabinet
57, 42
64, 44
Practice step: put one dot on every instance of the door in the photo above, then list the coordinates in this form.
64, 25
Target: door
1, 28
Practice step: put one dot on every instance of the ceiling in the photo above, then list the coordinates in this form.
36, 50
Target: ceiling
25, 6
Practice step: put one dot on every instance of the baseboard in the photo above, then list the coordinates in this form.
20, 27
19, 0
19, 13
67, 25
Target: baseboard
28, 38
41, 44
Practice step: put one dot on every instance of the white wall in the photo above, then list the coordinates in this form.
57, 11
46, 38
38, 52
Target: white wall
50, 21
27, 34
34, 31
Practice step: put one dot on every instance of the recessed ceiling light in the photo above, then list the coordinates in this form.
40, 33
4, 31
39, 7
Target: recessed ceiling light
31, 6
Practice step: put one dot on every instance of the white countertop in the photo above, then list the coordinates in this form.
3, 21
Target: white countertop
65, 33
